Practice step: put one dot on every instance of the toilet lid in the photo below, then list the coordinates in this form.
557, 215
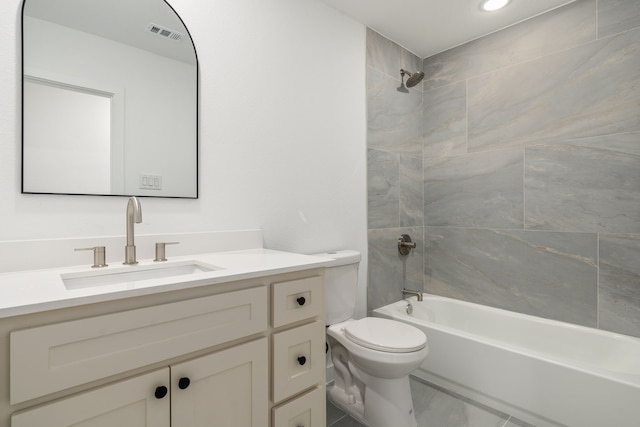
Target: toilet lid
385, 335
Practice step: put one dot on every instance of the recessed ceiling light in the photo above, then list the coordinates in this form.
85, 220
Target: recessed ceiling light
491, 5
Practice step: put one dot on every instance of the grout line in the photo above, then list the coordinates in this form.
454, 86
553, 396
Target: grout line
598, 280
596, 21
524, 193
466, 100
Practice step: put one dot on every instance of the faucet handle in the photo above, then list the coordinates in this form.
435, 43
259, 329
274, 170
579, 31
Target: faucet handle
99, 256
160, 250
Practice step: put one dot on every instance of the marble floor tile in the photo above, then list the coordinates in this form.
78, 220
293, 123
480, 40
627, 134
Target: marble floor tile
436, 407
334, 414
514, 422
616, 16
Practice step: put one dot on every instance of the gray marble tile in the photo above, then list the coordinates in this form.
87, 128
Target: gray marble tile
546, 274
411, 199
445, 121
389, 271
514, 422
388, 57
475, 190
421, 394
615, 16
590, 90
589, 185
334, 414
555, 31
346, 421
620, 284
394, 119
383, 189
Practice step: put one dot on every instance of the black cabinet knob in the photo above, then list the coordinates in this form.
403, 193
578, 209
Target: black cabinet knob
183, 383
302, 360
161, 392
301, 301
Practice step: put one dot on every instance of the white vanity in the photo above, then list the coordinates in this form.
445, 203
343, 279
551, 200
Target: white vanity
240, 342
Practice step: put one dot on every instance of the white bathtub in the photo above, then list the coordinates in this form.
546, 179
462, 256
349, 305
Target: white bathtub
545, 372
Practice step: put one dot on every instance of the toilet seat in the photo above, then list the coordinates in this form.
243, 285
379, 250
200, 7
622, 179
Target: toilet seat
385, 335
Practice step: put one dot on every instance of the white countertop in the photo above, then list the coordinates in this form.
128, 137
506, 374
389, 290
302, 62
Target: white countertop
25, 292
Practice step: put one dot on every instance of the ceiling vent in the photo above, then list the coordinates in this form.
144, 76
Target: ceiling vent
165, 32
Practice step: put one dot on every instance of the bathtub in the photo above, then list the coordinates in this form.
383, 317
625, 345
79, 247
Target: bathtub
545, 372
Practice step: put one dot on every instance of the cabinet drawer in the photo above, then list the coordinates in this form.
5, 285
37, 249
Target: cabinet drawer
297, 300
127, 403
55, 357
309, 410
298, 359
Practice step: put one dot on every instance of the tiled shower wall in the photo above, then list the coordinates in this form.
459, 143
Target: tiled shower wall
516, 168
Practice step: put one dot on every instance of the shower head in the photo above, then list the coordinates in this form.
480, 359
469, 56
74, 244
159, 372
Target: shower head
413, 79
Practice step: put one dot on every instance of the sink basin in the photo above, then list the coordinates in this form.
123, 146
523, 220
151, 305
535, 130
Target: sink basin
129, 275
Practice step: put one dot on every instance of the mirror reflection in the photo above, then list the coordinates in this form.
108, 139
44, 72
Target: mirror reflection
109, 99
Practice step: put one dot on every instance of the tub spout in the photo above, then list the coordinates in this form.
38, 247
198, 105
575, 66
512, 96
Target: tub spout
409, 292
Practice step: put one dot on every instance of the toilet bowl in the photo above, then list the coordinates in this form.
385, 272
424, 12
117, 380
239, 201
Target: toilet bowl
372, 357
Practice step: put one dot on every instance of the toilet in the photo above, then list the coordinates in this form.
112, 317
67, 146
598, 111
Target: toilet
372, 357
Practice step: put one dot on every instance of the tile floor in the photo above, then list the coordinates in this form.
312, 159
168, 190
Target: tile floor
436, 407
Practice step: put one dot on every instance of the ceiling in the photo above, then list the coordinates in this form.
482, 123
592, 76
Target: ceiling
426, 27
123, 21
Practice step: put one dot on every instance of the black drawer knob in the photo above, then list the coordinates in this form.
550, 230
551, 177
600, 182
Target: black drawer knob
302, 360
161, 392
301, 301
183, 383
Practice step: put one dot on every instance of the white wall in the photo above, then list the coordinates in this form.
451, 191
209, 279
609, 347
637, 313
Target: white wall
282, 131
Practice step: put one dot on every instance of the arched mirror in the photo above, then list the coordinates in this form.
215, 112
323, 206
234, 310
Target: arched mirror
110, 99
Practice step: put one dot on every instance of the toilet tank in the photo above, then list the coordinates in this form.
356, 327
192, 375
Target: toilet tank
341, 282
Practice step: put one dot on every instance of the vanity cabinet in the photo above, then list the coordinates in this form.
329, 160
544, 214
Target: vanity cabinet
125, 403
227, 388
298, 347
241, 354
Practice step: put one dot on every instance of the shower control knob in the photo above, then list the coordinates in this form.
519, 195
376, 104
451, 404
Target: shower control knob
301, 301
161, 392
302, 360
183, 383
405, 244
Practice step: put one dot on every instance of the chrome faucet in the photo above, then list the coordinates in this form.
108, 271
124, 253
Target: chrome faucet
408, 292
134, 214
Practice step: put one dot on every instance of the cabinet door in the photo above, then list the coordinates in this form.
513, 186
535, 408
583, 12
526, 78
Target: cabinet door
130, 403
224, 389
